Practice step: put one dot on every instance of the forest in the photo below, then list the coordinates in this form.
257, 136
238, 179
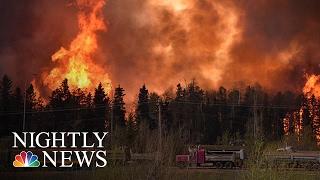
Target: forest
193, 115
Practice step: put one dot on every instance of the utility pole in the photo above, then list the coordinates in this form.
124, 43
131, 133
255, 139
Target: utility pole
160, 128
111, 122
111, 117
24, 106
255, 115
203, 120
232, 110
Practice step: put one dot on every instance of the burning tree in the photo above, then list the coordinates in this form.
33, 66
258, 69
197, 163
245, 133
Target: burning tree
308, 116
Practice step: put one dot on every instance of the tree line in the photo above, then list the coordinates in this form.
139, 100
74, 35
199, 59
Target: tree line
194, 115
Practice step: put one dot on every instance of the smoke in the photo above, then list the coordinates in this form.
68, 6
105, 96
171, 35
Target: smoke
279, 44
161, 43
30, 32
165, 42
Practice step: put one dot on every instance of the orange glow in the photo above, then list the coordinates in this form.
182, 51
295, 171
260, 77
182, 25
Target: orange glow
35, 89
311, 89
298, 122
76, 63
294, 120
204, 35
230, 33
312, 86
286, 124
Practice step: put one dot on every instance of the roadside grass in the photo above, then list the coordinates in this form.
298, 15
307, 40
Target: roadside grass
163, 169
274, 174
152, 171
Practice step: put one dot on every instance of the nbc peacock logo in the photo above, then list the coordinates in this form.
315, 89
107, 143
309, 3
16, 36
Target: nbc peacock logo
26, 159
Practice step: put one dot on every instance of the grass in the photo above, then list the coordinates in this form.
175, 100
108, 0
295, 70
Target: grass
166, 170
151, 171
131, 173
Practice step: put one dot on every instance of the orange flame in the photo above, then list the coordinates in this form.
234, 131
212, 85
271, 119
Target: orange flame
76, 63
311, 89
312, 86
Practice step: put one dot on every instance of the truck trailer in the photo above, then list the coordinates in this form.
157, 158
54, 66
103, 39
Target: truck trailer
218, 158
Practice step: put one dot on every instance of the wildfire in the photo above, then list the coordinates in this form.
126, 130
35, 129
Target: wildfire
311, 91
312, 86
76, 63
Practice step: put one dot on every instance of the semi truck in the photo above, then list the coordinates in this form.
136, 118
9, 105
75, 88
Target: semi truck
289, 158
217, 158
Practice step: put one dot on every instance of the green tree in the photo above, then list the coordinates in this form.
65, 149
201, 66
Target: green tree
101, 106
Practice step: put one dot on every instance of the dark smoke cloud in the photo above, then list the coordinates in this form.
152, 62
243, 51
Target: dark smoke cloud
155, 43
273, 27
30, 32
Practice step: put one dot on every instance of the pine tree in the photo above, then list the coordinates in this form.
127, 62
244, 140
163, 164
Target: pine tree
78, 98
118, 108
18, 99
142, 111
212, 127
61, 97
31, 99
180, 93
194, 110
77, 104
277, 116
5, 104
88, 113
6, 93
89, 101
60, 101
118, 118
166, 116
266, 117
131, 130
101, 107
31, 104
234, 101
17, 107
247, 112
223, 109
178, 111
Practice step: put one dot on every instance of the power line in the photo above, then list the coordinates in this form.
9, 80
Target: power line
179, 102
